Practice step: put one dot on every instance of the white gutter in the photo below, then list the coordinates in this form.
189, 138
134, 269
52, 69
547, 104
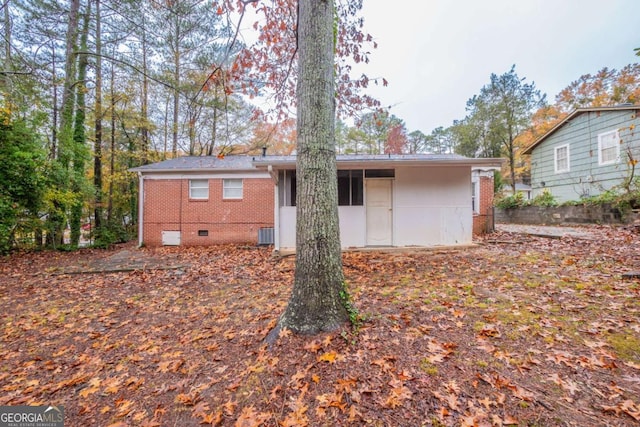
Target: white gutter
276, 218
385, 163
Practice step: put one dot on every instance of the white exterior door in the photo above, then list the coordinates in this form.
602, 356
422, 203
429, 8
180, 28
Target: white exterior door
379, 212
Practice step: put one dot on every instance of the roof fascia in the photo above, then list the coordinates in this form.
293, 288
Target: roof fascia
380, 163
183, 171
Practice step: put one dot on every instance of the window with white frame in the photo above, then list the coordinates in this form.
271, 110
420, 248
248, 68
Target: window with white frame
608, 148
232, 188
561, 158
475, 196
199, 189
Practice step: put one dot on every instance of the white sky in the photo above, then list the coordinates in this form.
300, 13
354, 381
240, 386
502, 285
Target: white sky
436, 54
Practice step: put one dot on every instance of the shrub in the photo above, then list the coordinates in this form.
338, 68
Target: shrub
511, 202
7, 223
610, 197
544, 199
110, 234
623, 202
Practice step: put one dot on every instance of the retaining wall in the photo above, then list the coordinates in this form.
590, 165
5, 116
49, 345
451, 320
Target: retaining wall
580, 214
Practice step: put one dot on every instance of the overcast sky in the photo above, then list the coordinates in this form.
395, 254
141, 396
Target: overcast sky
436, 54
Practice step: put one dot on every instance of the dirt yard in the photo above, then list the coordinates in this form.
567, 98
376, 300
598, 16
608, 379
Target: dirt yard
521, 330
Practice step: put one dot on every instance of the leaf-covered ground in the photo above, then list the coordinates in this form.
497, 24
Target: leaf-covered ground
519, 330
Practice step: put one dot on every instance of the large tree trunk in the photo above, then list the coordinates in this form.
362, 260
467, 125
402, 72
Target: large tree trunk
63, 150
511, 151
68, 94
214, 125
112, 155
317, 302
97, 145
53, 149
145, 93
80, 153
8, 64
7, 36
176, 93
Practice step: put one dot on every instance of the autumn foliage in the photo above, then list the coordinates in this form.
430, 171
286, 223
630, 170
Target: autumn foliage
519, 330
605, 88
396, 142
271, 62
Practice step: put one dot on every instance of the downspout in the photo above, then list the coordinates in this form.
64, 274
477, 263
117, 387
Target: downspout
140, 209
182, 183
276, 210
273, 174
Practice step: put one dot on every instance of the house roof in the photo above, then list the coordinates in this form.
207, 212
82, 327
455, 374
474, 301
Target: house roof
573, 114
251, 163
199, 164
384, 160
519, 187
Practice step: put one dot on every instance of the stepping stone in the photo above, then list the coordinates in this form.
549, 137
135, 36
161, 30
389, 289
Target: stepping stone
631, 275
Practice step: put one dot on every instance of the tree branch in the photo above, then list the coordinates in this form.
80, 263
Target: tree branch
133, 67
228, 52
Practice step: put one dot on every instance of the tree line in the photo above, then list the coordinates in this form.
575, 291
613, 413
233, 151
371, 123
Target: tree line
506, 116
89, 89
509, 114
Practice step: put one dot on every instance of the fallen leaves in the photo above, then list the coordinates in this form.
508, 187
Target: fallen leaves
249, 417
329, 356
477, 337
565, 383
439, 351
628, 407
398, 394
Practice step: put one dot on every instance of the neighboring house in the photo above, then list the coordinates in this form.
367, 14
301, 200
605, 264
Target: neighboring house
389, 200
384, 200
520, 188
586, 153
203, 201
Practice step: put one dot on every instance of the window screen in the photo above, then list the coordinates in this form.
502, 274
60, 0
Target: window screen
608, 147
350, 183
232, 188
562, 158
380, 173
199, 189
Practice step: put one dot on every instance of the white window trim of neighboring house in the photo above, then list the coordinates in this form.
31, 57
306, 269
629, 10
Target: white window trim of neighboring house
199, 189
555, 159
606, 141
232, 188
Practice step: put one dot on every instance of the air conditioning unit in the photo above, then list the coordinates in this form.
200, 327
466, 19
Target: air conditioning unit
266, 236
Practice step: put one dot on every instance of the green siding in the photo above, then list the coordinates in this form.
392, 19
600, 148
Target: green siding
585, 177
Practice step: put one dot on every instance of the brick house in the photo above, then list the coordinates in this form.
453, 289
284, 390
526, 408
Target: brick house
384, 200
196, 201
399, 200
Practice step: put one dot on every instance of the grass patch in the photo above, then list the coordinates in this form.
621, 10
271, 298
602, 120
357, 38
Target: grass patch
626, 346
428, 367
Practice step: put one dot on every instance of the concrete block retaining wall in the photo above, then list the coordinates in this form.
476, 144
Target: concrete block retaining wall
580, 214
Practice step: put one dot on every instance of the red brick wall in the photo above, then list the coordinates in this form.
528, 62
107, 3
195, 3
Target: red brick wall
483, 221
167, 207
